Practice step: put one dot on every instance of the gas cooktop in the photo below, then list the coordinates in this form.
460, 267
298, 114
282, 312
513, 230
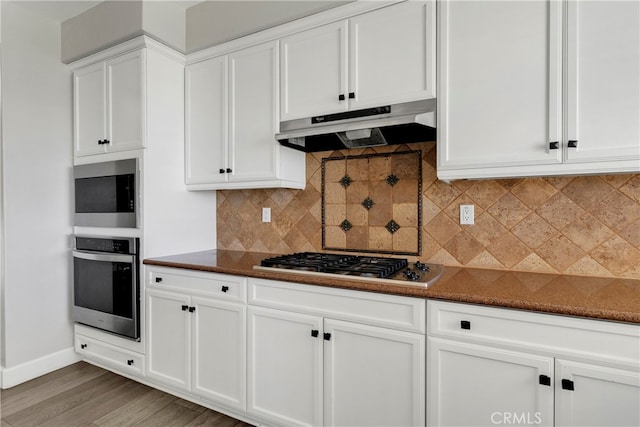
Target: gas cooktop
356, 267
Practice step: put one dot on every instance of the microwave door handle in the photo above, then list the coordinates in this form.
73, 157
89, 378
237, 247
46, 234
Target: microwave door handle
104, 257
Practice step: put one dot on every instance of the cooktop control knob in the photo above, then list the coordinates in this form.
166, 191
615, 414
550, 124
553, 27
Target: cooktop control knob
421, 266
411, 275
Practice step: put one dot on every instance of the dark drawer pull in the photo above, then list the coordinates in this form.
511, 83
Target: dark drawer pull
225, 288
185, 307
221, 170
327, 336
567, 385
352, 95
544, 380
341, 97
83, 346
158, 279
554, 145
314, 333
572, 143
130, 362
465, 324
192, 309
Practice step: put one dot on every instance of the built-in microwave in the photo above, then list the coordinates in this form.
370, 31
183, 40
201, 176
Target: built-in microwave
105, 194
106, 284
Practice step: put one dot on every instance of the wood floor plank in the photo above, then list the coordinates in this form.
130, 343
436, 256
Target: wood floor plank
85, 395
99, 406
136, 410
50, 408
35, 391
173, 414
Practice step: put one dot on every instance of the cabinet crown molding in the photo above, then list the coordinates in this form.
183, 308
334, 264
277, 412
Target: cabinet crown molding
139, 42
341, 12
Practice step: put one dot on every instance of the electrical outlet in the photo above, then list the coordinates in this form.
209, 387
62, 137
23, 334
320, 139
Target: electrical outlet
266, 214
466, 214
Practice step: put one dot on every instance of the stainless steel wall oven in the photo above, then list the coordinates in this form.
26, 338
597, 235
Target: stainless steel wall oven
106, 284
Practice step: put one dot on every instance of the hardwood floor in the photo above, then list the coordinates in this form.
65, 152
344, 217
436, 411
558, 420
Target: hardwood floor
85, 395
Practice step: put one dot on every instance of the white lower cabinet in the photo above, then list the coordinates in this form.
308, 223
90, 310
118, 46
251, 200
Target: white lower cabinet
595, 395
489, 366
472, 385
198, 343
306, 368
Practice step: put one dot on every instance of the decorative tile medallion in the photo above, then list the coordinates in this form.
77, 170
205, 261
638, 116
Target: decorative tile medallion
392, 226
379, 208
368, 203
346, 181
392, 180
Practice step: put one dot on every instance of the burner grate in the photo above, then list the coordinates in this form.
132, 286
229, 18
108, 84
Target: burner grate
338, 264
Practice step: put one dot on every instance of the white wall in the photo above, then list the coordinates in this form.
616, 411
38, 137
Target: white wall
36, 189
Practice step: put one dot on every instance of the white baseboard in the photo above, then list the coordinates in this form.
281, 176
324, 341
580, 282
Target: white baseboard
34, 368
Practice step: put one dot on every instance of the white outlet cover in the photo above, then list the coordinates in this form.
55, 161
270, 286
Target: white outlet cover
467, 215
266, 214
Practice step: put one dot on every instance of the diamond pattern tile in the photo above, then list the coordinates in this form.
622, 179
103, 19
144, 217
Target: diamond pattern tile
573, 225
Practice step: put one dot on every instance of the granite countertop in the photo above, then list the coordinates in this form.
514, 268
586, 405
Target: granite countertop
596, 297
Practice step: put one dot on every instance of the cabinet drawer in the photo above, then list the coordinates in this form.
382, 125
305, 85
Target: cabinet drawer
618, 342
107, 354
392, 311
221, 286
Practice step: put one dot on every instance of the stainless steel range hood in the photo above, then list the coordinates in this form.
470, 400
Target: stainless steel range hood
386, 125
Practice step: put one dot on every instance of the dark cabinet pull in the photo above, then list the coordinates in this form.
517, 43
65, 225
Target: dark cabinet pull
130, 362
465, 324
544, 380
192, 309
572, 143
352, 95
221, 170
554, 145
229, 170
327, 336
314, 333
567, 385
158, 279
83, 346
225, 288
185, 307
341, 97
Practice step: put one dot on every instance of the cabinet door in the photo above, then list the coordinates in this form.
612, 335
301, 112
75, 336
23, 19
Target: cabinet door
373, 376
392, 55
500, 97
472, 385
168, 338
125, 102
253, 106
284, 367
206, 121
89, 109
591, 395
313, 72
219, 356
603, 59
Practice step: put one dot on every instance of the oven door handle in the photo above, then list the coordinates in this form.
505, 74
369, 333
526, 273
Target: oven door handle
104, 257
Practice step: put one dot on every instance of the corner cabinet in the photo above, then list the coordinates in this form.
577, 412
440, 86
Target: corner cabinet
109, 105
490, 366
538, 88
376, 58
320, 356
231, 121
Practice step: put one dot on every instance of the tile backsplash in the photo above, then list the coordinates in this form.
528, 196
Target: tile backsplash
588, 225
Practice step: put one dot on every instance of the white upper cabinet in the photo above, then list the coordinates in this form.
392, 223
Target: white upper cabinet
500, 99
538, 88
109, 107
381, 57
231, 121
603, 81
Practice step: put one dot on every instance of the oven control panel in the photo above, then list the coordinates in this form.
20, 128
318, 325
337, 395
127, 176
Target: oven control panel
109, 245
